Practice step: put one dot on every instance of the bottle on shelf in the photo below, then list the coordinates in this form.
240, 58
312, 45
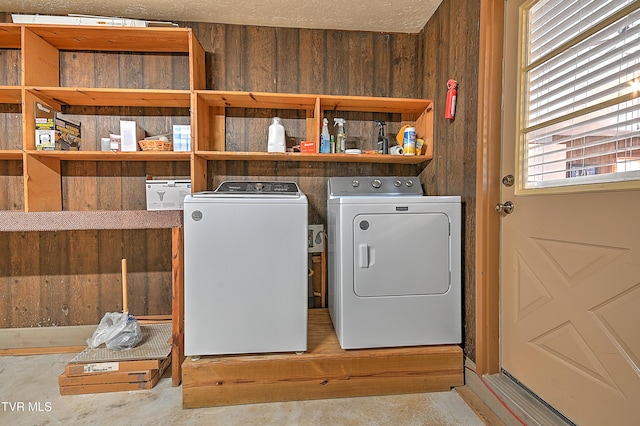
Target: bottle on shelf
276, 142
383, 141
341, 139
325, 138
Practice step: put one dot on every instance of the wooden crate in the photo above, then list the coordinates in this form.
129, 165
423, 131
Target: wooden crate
324, 371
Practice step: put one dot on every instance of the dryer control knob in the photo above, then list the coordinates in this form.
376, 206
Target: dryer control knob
355, 183
409, 183
376, 183
397, 183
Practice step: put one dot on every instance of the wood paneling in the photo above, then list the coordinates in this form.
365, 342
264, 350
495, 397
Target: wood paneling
10, 65
450, 48
73, 278
11, 197
10, 114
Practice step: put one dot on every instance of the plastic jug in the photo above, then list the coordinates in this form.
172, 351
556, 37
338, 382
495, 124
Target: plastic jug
276, 142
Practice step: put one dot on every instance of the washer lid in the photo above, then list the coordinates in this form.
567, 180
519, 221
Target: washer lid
253, 189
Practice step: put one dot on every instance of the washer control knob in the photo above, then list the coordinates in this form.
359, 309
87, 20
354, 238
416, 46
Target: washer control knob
376, 183
397, 183
259, 186
355, 183
409, 183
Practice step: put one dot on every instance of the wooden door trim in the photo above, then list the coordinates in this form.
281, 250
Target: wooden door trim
487, 245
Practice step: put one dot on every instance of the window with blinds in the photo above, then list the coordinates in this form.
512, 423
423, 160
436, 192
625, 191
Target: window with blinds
581, 92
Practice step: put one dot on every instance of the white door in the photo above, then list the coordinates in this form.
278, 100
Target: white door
570, 255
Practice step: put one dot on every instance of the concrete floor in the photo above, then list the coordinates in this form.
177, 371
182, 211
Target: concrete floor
29, 395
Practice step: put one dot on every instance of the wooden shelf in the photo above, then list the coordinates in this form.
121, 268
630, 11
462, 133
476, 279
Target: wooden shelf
257, 100
12, 154
112, 156
10, 95
371, 104
106, 39
114, 97
305, 102
10, 36
325, 158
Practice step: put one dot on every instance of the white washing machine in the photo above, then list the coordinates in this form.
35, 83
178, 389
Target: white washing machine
245, 269
394, 263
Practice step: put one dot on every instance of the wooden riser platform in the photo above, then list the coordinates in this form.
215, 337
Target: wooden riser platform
324, 371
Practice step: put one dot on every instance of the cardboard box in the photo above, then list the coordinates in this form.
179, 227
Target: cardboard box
130, 134
308, 146
84, 369
167, 193
182, 137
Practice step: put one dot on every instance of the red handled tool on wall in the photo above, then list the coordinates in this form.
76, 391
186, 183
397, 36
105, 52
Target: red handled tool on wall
452, 94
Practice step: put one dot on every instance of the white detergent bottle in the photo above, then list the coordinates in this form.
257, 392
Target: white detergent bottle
276, 142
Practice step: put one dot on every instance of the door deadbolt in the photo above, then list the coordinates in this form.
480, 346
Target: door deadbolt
506, 208
508, 180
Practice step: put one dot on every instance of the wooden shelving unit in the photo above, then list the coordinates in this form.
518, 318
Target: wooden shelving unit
41, 47
40, 51
210, 107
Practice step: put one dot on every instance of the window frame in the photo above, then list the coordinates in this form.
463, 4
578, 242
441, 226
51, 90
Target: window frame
572, 185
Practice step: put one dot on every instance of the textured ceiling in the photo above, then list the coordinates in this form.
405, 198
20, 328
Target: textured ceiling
405, 16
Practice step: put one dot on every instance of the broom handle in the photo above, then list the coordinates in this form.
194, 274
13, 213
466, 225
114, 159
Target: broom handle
125, 301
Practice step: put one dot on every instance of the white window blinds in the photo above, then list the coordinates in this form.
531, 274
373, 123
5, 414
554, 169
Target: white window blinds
581, 100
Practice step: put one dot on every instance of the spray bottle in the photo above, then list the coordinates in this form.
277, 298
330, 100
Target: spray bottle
341, 139
383, 141
325, 144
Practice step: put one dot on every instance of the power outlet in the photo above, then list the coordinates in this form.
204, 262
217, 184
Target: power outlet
316, 239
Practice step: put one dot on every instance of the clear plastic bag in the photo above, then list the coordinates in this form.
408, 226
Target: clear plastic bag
119, 331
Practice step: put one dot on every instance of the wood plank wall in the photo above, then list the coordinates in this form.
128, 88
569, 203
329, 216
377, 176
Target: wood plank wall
11, 134
250, 58
450, 42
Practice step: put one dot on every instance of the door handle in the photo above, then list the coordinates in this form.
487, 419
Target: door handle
508, 180
364, 255
506, 208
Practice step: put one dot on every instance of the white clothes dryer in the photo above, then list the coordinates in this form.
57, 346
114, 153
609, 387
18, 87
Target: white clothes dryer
394, 258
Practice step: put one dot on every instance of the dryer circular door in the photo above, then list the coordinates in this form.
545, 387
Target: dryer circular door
401, 254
